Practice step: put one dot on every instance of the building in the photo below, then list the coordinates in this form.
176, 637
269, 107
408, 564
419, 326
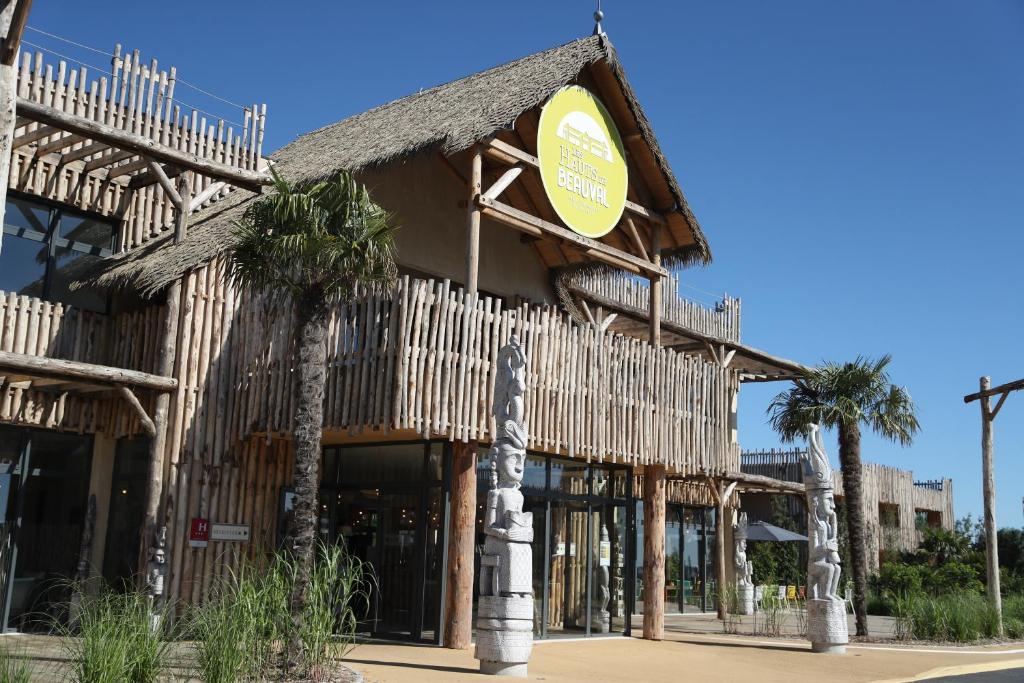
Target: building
141, 391
896, 506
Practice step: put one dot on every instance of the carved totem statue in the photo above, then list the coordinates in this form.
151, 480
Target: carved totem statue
600, 617
744, 568
826, 608
505, 616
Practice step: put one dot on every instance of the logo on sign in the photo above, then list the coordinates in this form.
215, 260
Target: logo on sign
199, 534
582, 161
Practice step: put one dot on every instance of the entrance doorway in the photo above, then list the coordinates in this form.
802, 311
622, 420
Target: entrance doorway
44, 488
386, 504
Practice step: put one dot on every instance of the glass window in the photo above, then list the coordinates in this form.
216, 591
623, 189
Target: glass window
395, 463
21, 272
46, 248
569, 477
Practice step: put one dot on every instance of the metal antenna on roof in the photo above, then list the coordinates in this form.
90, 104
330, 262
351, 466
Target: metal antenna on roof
598, 16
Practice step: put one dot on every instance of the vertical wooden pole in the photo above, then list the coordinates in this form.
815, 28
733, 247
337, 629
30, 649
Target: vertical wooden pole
458, 627
158, 443
989, 484
654, 552
181, 216
473, 224
656, 285
720, 578
12, 23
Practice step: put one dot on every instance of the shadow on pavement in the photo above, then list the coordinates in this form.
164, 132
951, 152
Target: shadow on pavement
410, 665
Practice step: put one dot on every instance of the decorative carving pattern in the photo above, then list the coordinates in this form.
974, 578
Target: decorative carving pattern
505, 611
744, 568
826, 610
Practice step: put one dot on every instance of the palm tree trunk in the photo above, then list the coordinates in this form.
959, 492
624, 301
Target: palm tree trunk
853, 494
311, 312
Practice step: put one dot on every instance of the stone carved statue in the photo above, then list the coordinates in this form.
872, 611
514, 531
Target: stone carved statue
826, 609
505, 610
744, 568
601, 617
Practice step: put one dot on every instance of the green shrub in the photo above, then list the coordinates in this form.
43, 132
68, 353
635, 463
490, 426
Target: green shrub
952, 578
898, 579
241, 633
113, 639
961, 617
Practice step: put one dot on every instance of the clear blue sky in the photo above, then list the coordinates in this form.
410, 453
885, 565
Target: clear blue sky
858, 169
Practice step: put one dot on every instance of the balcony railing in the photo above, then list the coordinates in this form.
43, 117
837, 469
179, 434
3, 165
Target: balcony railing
135, 97
32, 326
423, 358
722, 321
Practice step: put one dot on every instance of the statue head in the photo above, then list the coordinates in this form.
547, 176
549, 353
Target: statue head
817, 469
509, 461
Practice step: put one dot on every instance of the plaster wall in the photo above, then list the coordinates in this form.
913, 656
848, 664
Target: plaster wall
425, 198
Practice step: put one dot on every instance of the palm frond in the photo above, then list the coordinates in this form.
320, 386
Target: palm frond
326, 238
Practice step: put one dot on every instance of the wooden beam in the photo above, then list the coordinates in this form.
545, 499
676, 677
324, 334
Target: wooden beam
506, 179
150, 178
458, 626
107, 160
86, 151
1002, 388
654, 552
13, 18
58, 144
33, 135
206, 195
635, 236
158, 442
989, 494
141, 145
38, 366
538, 226
473, 224
184, 201
129, 396
165, 183
654, 300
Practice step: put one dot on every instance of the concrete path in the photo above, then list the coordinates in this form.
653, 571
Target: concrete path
692, 657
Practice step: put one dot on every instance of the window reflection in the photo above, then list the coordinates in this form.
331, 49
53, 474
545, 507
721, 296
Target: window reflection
46, 248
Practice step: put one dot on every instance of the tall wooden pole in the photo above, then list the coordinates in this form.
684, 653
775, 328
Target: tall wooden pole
12, 24
473, 224
989, 484
458, 627
158, 442
654, 552
654, 490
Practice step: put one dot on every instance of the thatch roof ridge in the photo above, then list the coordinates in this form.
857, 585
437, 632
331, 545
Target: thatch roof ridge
450, 118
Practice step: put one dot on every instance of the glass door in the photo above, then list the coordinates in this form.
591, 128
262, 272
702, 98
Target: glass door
398, 571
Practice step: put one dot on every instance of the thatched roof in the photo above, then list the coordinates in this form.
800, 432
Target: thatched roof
449, 118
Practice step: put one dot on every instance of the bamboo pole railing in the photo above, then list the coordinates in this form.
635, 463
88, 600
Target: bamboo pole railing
722, 321
35, 327
136, 97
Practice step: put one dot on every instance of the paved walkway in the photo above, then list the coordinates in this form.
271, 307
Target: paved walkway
685, 656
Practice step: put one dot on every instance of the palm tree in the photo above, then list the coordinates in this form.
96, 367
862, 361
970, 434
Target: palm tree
842, 397
309, 244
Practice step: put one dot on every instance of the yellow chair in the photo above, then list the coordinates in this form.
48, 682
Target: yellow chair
791, 596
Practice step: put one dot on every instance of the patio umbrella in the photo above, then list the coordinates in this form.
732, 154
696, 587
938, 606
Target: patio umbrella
763, 531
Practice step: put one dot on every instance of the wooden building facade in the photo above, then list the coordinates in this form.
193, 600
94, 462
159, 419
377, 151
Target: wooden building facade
178, 387
896, 506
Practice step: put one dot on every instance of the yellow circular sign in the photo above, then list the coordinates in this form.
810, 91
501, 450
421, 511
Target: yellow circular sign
582, 162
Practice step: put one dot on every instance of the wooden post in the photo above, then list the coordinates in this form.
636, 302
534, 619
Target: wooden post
458, 627
656, 284
654, 552
157, 444
473, 224
989, 484
12, 23
720, 574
